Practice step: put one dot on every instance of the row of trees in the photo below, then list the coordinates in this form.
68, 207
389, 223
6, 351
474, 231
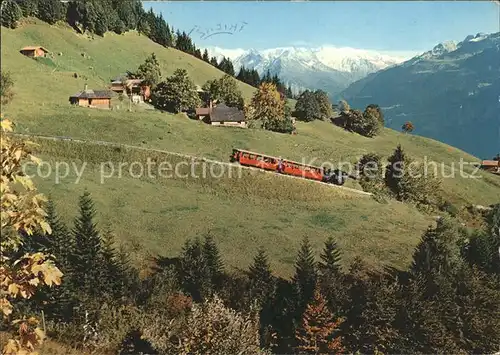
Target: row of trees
368, 123
448, 301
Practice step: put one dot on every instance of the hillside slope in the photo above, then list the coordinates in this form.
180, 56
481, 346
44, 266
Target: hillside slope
96, 61
450, 93
157, 215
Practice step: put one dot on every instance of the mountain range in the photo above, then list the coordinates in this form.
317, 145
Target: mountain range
450, 93
328, 68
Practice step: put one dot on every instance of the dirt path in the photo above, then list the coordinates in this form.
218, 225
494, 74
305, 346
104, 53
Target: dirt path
112, 144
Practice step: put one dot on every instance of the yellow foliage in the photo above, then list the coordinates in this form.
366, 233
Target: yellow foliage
267, 104
21, 211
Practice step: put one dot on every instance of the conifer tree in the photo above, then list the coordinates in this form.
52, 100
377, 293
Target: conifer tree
214, 62
111, 283
483, 247
28, 7
305, 277
316, 335
330, 259
61, 243
438, 252
261, 279
395, 172
57, 302
10, 13
194, 275
213, 262
50, 11
86, 258
205, 56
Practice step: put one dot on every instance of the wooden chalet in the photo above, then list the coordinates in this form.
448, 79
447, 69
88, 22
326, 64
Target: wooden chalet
134, 88
221, 115
92, 98
34, 51
491, 166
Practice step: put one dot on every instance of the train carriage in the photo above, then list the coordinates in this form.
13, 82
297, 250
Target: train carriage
288, 167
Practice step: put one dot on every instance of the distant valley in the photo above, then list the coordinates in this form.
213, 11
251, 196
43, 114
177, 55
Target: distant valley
450, 93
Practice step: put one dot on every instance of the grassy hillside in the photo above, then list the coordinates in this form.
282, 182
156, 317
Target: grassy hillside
96, 61
157, 215
242, 212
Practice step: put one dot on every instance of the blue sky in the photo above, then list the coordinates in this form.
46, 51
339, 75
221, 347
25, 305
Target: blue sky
383, 26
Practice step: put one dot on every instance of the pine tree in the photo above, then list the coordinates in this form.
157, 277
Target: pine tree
86, 258
129, 282
28, 7
213, 263
437, 255
330, 259
316, 334
483, 247
261, 279
214, 62
61, 243
111, 278
10, 13
205, 56
395, 172
50, 11
305, 277
194, 274
60, 302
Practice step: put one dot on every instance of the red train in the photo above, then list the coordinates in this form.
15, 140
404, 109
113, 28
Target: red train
289, 167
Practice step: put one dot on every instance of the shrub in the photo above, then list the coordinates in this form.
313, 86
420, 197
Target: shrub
371, 174
6, 84
408, 127
450, 208
209, 327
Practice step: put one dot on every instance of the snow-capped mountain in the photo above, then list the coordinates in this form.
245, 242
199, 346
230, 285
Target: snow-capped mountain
328, 68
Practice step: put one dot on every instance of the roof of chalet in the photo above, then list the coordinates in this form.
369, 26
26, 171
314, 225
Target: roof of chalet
93, 94
202, 111
490, 163
32, 48
224, 113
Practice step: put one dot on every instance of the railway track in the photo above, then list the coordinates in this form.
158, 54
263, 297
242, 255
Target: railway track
186, 156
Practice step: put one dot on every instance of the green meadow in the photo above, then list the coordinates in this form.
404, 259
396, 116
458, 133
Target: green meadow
155, 216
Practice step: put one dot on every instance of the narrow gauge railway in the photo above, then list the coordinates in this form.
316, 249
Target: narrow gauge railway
289, 167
